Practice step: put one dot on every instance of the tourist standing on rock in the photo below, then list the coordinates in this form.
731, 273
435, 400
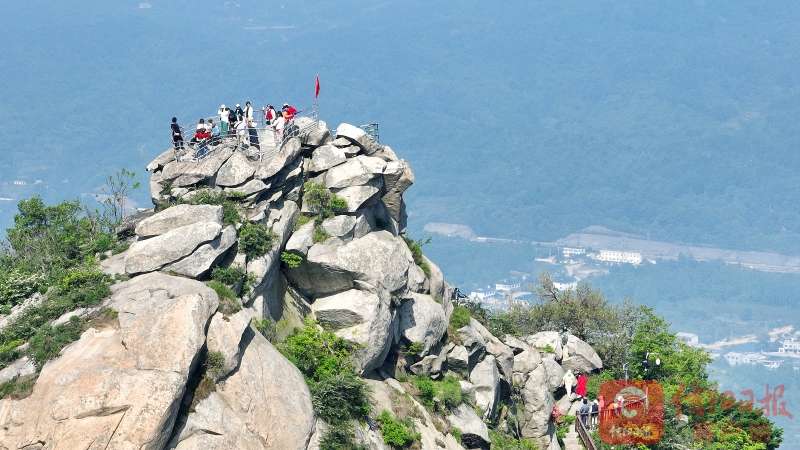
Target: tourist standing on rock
177, 134
231, 120
199, 130
251, 130
269, 115
239, 113
289, 112
580, 388
223, 120
279, 124
248, 112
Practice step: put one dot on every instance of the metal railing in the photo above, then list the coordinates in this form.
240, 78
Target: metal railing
267, 135
584, 435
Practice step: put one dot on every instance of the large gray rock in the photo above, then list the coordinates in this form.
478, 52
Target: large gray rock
340, 226
580, 356
251, 187
359, 137
161, 160
356, 171
397, 177
422, 320
264, 405
486, 379
22, 367
537, 403
206, 256
154, 253
378, 258
361, 317
546, 342
527, 361
225, 335
555, 373
474, 432
286, 155
436, 280
178, 216
357, 196
502, 353
235, 171
118, 386
326, 157
186, 173
458, 360
472, 340
302, 239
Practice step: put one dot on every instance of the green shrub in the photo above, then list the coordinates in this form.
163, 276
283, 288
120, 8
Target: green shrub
320, 235
255, 239
80, 287
415, 348
563, 425
302, 220
502, 441
230, 212
48, 341
397, 433
339, 437
215, 363
228, 275
9, 352
266, 327
223, 291
292, 260
17, 388
456, 432
416, 253
17, 285
459, 318
547, 349
338, 394
441, 395
321, 202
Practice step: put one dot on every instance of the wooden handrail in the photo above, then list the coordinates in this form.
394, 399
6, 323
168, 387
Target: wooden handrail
583, 433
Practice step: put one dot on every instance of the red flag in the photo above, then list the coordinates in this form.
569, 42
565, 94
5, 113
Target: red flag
316, 88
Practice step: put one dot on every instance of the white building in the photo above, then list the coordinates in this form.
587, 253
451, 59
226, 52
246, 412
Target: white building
506, 287
569, 252
619, 257
565, 286
736, 358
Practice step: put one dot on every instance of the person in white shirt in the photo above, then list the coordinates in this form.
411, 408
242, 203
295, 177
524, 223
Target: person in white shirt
223, 120
279, 124
248, 112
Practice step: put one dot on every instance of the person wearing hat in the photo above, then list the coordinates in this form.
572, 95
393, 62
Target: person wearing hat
289, 111
231, 120
223, 120
239, 113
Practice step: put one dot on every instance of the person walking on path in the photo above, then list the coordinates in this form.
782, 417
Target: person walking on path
223, 120
580, 388
595, 414
177, 134
584, 411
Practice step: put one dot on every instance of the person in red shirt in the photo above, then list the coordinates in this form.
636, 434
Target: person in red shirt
580, 389
289, 111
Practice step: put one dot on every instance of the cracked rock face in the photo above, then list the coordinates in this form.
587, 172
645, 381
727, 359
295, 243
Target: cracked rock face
118, 386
